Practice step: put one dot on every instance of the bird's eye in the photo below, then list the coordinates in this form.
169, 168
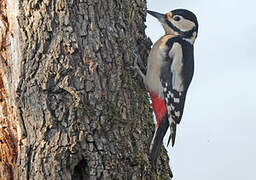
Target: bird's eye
176, 18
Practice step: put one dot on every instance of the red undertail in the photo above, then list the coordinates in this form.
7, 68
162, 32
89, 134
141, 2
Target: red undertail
159, 108
160, 111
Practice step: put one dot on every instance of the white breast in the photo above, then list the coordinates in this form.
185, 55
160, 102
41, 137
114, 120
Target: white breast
155, 61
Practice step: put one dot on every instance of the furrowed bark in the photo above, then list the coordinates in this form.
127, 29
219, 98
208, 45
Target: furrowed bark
70, 105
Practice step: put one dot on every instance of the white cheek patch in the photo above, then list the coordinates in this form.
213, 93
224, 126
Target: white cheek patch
184, 24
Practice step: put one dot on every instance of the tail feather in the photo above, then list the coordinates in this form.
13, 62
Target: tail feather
172, 133
157, 140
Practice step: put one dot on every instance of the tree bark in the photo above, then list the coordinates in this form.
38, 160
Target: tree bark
70, 105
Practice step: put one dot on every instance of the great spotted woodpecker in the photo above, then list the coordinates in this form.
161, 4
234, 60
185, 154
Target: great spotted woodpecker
170, 69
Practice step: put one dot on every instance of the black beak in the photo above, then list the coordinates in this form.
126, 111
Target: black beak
157, 15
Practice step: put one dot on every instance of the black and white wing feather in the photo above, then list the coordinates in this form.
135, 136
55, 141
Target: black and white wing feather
175, 83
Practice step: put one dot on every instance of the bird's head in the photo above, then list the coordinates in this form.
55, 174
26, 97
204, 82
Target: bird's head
179, 22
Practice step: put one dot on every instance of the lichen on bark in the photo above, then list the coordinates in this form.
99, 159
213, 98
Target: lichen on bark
81, 112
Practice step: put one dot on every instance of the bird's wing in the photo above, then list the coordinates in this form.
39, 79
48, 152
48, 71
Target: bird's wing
174, 87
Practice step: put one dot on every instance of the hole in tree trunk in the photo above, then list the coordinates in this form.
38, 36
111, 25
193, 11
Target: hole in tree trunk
81, 171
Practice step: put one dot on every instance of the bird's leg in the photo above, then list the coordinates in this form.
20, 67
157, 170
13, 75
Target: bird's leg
136, 66
139, 61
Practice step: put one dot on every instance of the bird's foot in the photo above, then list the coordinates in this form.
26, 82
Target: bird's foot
136, 66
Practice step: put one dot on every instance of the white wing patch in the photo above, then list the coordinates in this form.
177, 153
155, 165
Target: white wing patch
177, 113
176, 67
176, 100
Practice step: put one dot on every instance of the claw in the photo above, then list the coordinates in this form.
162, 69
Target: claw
135, 55
138, 60
136, 66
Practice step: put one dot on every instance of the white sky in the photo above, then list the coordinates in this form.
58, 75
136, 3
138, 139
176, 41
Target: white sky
217, 135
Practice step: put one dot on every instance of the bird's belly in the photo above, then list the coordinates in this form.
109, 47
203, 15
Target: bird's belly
153, 84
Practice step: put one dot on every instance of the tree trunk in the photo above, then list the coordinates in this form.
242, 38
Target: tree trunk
70, 105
